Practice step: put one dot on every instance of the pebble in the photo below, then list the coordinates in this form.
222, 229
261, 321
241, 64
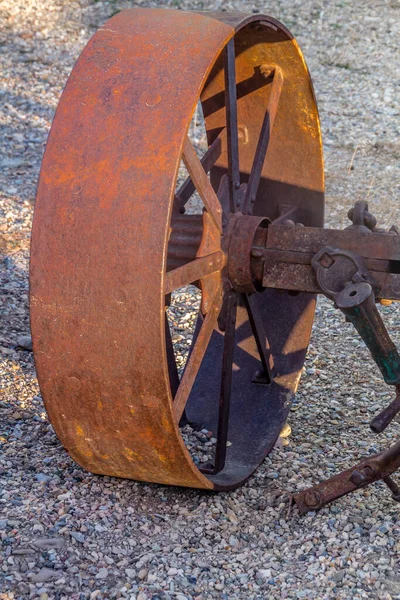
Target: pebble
49, 543
43, 575
130, 573
79, 537
338, 576
25, 342
263, 574
43, 478
102, 573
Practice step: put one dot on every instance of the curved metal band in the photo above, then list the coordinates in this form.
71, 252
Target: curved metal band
99, 242
100, 238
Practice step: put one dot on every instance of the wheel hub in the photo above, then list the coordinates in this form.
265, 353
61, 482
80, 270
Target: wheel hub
245, 232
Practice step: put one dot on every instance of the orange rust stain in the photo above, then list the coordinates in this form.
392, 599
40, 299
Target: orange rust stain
131, 454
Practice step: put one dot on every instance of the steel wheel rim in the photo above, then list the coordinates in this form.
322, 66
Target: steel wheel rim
165, 465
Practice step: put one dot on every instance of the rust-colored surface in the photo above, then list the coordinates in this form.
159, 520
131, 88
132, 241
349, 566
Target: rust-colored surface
239, 252
289, 252
100, 243
293, 170
375, 467
100, 238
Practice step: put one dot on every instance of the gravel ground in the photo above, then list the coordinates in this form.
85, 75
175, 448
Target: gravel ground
67, 534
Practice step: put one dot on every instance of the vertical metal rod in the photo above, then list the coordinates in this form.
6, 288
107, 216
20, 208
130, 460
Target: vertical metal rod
259, 334
263, 142
226, 387
172, 368
232, 125
226, 383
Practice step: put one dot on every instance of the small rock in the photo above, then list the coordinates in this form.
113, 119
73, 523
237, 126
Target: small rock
130, 573
232, 516
16, 416
64, 496
263, 574
102, 574
48, 543
338, 576
142, 574
25, 342
79, 537
43, 575
22, 551
42, 478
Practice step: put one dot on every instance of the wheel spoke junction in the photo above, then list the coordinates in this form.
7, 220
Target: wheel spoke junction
209, 159
202, 183
194, 271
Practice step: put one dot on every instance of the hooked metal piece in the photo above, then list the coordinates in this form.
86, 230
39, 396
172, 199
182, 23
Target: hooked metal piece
353, 268
379, 466
343, 277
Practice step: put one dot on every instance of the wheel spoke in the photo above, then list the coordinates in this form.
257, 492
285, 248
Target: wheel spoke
208, 161
172, 368
263, 142
259, 334
232, 125
193, 271
196, 357
226, 387
202, 183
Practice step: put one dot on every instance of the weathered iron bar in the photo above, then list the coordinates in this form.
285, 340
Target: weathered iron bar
232, 125
263, 142
373, 468
226, 387
202, 183
263, 346
290, 249
196, 357
187, 188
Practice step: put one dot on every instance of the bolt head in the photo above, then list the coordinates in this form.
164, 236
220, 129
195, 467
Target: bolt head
312, 499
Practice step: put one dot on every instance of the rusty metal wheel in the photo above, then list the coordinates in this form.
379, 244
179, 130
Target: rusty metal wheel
109, 243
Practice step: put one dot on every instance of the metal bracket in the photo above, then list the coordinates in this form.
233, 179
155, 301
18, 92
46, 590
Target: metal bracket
354, 268
344, 278
379, 466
